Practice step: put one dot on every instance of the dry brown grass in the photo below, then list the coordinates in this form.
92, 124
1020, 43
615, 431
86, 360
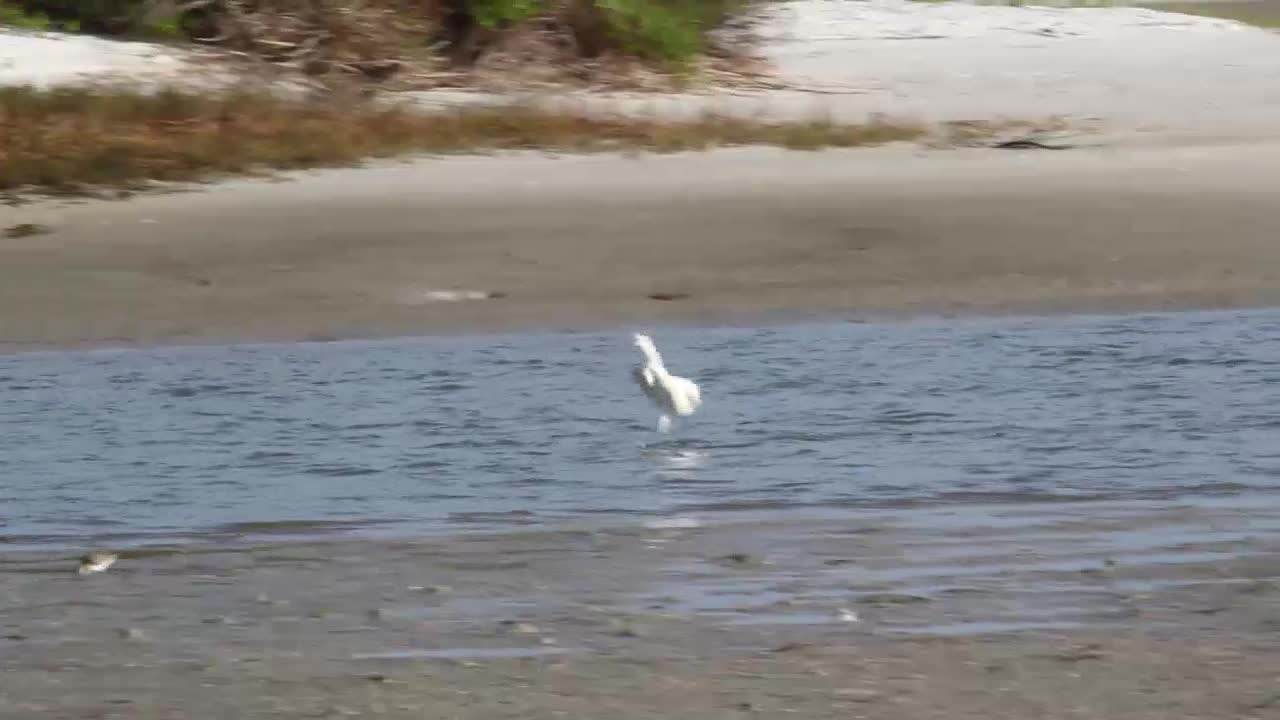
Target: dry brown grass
318, 36
67, 139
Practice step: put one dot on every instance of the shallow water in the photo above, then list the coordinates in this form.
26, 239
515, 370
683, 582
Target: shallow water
419, 436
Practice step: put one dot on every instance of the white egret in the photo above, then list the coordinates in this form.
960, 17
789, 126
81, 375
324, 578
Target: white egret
672, 394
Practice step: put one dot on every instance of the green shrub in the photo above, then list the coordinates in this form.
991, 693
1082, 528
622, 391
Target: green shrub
496, 13
671, 31
102, 17
13, 16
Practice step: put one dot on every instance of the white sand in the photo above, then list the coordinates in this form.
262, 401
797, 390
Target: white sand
1114, 69
1125, 66
52, 59
824, 21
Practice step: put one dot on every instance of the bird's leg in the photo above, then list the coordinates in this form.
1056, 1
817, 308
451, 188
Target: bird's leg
664, 424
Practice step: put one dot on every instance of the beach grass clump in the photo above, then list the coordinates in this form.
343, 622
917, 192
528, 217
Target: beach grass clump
71, 138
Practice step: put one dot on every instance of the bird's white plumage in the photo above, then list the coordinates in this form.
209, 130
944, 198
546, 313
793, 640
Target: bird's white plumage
674, 395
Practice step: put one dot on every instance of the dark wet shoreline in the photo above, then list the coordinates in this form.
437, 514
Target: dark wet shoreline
294, 626
922, 572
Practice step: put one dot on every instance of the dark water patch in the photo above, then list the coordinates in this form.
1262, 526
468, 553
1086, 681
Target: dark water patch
270, 455
372, 426
513, 517
424, 464
197, 390
293, 527
339, 471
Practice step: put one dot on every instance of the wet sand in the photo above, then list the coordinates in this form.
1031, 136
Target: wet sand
572, 242
1072, 610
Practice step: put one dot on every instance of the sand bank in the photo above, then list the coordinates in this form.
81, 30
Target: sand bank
585, 241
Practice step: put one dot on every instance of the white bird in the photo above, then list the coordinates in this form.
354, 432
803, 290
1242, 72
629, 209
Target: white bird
672, 394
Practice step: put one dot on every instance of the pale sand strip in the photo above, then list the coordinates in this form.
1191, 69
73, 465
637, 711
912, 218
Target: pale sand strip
582, 241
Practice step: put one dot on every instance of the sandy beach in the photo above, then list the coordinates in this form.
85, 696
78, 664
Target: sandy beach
575, 242
1161, 201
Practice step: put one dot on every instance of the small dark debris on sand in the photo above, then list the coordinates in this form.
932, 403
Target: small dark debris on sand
22, 230
1029, 144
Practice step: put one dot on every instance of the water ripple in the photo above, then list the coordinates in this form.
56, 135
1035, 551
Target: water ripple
517, 430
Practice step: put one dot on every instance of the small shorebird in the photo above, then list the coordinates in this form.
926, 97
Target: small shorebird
672, 394
96, 562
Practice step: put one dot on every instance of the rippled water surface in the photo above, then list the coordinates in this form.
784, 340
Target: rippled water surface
424, 435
